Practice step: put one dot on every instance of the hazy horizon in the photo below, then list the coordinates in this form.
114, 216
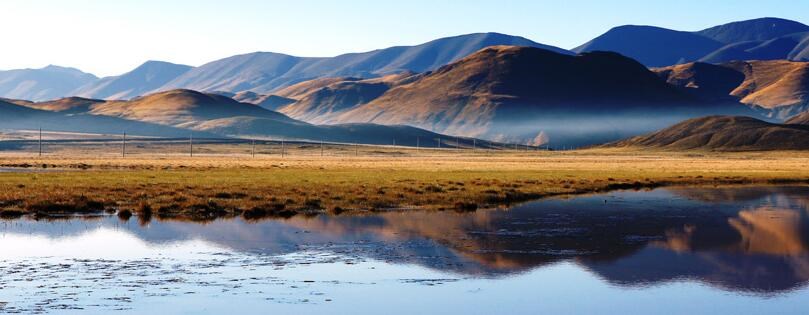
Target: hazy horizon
110, 38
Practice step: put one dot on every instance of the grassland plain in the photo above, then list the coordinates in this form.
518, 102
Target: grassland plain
211, 186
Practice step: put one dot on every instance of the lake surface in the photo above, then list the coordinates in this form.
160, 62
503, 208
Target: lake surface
670, 251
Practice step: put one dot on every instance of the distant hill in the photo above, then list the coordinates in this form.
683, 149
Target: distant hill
723, 133
532, 95
652, 46
757, 39
753, 30
147, 77
48, 83
264, 72
779, 87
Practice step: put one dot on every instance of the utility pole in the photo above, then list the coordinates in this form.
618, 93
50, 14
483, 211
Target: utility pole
439, 142
123, 146
457, 143
356, 149
191, 144
40, 141
282, 148
321, 147
253, 151
474, 144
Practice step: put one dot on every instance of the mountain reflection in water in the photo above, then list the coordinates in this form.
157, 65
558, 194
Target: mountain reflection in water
749, 239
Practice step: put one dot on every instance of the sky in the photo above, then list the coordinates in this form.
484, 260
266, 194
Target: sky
112, 37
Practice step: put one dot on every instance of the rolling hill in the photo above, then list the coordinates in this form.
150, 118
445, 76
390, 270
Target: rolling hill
318, 103
178, 107
723, 133
757, 39
177, 112
18, 117
780, 88
532, 95
47, 83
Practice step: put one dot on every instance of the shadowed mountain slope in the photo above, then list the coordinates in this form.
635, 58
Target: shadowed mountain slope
652, 46
724, 133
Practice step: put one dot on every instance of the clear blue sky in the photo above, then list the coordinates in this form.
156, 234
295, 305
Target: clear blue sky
108, 37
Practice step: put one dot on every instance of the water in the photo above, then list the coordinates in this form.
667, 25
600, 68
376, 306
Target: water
671, 251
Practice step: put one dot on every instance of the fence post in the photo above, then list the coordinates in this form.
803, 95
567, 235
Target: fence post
191, 144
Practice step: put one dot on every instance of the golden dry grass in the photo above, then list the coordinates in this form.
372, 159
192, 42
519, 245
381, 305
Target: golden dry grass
215, 185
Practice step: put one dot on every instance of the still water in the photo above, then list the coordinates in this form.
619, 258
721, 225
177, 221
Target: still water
742, 250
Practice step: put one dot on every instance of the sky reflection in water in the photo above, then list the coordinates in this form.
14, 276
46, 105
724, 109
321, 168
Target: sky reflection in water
682, 250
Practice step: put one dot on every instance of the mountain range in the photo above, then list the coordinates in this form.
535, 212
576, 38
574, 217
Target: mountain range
630, 81
266, 72
259, 72
758, 39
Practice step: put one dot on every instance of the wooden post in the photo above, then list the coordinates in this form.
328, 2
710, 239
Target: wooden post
123, 146
40, 141
321, 147
282, 148
191, 144
253, 151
